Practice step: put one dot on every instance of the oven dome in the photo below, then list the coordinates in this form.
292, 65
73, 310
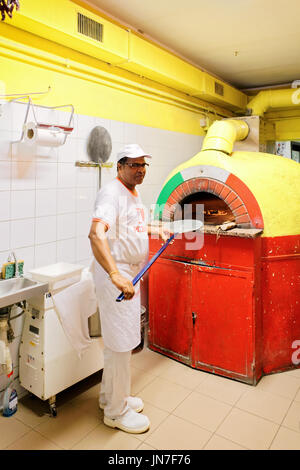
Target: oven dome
261, 190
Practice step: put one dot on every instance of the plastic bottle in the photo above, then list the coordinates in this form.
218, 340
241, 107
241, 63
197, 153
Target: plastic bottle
5, 357
10, 402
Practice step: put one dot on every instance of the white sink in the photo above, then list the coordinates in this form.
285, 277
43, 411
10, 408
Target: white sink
18, 289
56, 272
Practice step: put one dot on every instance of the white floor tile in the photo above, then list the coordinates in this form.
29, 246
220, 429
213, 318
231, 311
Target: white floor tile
247, 430
286, 439
292, 419
265, 405
281, 384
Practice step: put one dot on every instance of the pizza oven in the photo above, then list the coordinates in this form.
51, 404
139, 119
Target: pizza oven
215, 210
229, 303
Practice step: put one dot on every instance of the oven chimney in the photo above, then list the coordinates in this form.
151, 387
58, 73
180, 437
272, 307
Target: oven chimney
222, 135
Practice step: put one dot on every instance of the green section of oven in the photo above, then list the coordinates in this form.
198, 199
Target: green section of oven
167, 189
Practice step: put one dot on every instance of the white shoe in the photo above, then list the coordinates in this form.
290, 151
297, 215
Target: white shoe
135, 403
131, 422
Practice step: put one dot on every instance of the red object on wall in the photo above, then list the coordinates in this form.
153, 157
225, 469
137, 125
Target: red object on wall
231, 307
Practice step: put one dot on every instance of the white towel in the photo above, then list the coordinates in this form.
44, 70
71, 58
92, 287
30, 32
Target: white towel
74, 305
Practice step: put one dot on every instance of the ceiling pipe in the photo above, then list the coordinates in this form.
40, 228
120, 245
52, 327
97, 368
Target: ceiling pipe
274, 99
222, 135
254, 90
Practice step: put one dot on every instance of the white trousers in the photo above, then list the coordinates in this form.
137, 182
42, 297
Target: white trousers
116, 382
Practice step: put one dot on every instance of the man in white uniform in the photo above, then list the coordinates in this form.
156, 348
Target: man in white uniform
119, 240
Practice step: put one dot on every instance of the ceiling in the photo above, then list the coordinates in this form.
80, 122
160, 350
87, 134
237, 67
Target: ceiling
248, 43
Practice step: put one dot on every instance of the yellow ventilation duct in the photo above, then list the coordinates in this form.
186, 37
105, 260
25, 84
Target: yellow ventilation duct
273, 99
222, 135
70, 24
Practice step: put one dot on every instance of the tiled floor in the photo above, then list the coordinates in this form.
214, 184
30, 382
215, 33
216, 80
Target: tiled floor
188, 409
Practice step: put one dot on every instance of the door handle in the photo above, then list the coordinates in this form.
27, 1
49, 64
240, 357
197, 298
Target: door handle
194, 316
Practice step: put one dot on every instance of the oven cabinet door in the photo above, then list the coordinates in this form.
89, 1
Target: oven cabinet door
222, 306
170, 320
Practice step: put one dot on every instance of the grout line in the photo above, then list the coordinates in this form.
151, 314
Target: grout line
226, 438
281, 424
234, 442
238, 443
85, 436
145, 441
225, 417
139, 391
275, 435
20, 437
256, 415
50, 440
219, 400
155, 429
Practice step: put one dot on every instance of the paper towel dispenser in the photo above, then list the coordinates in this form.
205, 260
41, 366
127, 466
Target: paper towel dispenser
44, 134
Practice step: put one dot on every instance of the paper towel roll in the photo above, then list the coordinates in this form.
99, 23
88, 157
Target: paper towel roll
44, 137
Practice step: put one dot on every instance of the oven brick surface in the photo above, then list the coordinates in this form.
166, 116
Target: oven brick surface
234, 193
236, 203
230, 198
240, 211
243, 219
225, 192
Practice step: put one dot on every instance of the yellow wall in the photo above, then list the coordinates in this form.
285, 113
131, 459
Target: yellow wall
91, 94
287, 129
31, 63
122, 48
94, 99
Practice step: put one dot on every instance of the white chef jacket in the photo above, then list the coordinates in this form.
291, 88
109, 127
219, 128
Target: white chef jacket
122, 211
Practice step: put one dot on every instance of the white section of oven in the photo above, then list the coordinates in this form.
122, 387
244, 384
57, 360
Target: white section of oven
205, 171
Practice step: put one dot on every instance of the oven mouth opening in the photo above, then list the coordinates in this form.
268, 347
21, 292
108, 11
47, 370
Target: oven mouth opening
204, 206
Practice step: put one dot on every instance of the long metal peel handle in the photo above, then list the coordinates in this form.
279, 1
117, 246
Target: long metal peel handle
147, 266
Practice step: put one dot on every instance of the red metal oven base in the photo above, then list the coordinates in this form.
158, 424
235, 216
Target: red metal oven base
281, 302
229, 308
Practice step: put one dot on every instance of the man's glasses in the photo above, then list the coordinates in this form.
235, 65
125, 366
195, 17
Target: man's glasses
137, 165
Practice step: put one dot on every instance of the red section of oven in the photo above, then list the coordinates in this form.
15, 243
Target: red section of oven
281, 300
204, 317
238, 316
223, 310
171, 329
213, 310
225, 251
249, 200
235, 193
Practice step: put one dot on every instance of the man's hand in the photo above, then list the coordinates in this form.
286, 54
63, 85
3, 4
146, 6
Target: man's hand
123, 284
161, 230
164, 233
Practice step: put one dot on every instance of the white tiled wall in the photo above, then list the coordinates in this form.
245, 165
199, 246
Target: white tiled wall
46, 202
